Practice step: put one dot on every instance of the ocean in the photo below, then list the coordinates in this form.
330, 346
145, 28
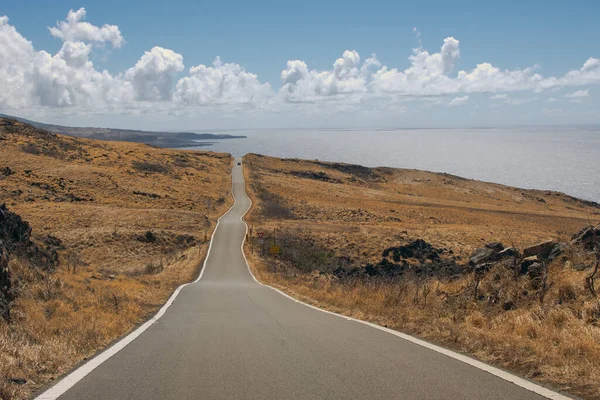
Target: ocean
561, 159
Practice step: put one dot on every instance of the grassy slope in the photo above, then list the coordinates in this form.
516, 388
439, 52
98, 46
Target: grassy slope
99, 199
358, 212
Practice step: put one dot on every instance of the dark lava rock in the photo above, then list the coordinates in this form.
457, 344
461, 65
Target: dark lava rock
5, 284
528, 262
418, 249
149, 237
495, 246
509, 252
541, 249
14, 231
557, 250
490, 252
586, 235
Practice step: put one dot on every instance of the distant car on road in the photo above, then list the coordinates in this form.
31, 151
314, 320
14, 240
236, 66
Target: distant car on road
239, 163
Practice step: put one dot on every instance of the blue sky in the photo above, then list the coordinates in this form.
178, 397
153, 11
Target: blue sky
260, 37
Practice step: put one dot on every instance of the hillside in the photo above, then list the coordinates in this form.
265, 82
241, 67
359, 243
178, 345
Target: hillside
501, 273
116, 227
160, 139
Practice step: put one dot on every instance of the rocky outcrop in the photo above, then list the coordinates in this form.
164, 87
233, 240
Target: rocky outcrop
542, 249
527, 263
488, 253
557, 250
586, 236
14, 232
5, 292
15, 240
509, 252
418, 249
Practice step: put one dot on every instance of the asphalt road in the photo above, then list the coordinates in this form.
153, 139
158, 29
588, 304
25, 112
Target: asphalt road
228, 337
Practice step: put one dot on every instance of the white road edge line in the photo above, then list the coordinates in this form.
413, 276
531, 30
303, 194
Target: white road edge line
75, 376
524, 383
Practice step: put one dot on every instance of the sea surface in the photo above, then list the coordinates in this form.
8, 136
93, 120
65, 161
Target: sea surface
562, 159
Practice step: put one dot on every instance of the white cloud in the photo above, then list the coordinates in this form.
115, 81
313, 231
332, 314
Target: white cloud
30, 78
458, 101
152, 76
220, 84
346, 77
552, 100
16, 57
578, 94
588, 74
75, 29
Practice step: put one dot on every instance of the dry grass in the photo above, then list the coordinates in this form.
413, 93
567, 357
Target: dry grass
364, 210
557, 342
129, 235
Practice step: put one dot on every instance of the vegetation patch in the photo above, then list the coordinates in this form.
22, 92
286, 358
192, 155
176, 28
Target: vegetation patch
150, 167
318, 176
274, 206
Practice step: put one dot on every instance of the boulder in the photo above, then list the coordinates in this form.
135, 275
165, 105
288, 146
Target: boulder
527, 263
495, 246
486, 254
14, 232
5, 284
418, 249
586, 235
483, 268
557, 250
535, 272
509, 252
541, 249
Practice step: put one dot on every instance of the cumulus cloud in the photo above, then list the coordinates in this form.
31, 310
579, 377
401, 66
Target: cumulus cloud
588, 74
458, 101
16, 59
220, 84
75, 29
347, 76
152, 76
31, 78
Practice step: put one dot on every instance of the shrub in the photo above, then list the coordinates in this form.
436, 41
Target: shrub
153, 268
145, 166
32, 148
273, 205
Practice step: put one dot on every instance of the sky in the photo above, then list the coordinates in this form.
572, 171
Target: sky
228, 64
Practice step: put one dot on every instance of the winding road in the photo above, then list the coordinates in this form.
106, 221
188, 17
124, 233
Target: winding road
226, 336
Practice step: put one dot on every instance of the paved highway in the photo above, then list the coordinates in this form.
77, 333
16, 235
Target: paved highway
228, 337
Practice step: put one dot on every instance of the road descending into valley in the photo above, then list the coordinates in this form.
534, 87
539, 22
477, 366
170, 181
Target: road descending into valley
226, 336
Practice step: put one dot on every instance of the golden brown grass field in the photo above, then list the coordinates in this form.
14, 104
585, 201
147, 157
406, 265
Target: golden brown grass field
127, 222
536, 316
